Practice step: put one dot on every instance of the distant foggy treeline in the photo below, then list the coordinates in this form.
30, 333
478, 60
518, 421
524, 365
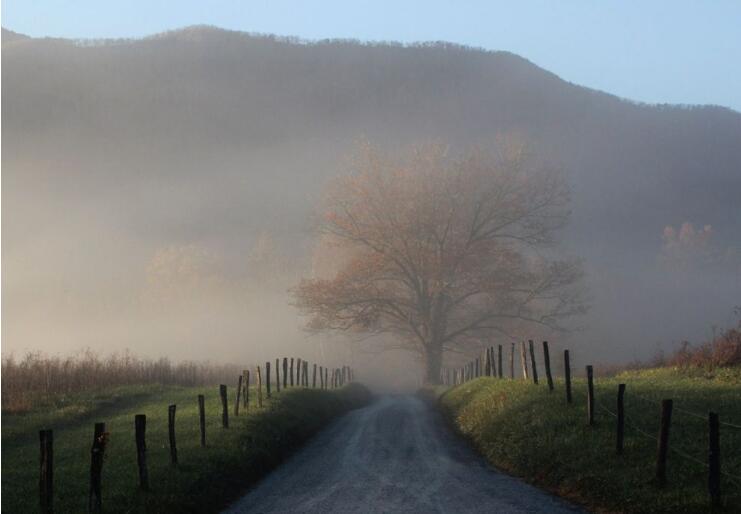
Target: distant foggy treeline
146, 182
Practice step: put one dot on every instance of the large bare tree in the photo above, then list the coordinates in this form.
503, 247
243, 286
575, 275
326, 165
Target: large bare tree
440, 249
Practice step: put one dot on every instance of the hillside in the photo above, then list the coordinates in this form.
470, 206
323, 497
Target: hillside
210, 137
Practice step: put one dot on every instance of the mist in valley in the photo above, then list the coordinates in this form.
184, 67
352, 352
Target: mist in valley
160, 195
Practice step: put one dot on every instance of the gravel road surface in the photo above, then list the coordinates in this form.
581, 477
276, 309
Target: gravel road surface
395, 455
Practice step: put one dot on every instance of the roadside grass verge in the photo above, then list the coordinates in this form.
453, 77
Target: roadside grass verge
528, 432
205, 480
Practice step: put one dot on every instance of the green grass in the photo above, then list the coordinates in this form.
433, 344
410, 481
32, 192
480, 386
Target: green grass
531, 433
205, 480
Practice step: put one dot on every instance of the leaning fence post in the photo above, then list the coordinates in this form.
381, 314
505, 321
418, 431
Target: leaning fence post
567, 375
258, 378
714, 459
97, 450
246, 393
239, 396
171, 432
620, 418
590, 395
532, 361
140, 426
547, 363
224, 406
46, 471
663, 449
523, 360
202, 418
512, 361
267, 379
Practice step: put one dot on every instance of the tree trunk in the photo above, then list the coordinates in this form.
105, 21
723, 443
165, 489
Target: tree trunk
433, 359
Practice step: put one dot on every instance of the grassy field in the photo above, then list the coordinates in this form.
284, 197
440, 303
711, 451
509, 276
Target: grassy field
529, 432
205, 480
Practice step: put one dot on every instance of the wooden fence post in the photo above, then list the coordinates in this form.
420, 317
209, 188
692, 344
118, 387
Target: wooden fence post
277, 375
291, 371
97, 451
202, 418
46, 471
258, 378
321, 377
313, 378
246, 393
512, 361
306, 374
714, 459
140, 428
285, 372
547, 363
239, 396
224, 406
533, 366
171, 433
523, 360
487, 362
326, 378
267, 379
499, 362
663, 449
567, 375
590, 396
620, 418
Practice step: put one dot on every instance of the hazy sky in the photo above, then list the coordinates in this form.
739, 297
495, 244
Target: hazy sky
674, 51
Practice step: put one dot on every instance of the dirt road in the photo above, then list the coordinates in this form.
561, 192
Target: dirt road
394, 456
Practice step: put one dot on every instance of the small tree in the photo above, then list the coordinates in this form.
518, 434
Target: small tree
439, 250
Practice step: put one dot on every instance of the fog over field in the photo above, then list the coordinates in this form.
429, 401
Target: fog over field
158, 194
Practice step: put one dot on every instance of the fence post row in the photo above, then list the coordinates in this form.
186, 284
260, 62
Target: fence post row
140, 427
46, 471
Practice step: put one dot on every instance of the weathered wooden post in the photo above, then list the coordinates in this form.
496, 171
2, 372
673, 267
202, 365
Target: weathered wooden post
277, 375
567, 375
246, 393
499, 362
512, 361
326, 378
313, 378
663, 448
533, 366
224, 406
714, 459
321, 377
171, 433
285, 372
267, 379
620, 418
547, 364
140, 428
306, 374
258, 377
46, 471
590, 396
523, 360
97, 451
239, 396
202, 418
291, 371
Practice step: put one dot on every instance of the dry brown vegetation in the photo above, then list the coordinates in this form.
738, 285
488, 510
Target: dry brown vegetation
37, 376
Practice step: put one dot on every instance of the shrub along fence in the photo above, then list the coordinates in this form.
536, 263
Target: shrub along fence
295, 374
489, 364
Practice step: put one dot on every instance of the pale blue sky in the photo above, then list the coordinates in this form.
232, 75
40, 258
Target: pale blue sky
676, 51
